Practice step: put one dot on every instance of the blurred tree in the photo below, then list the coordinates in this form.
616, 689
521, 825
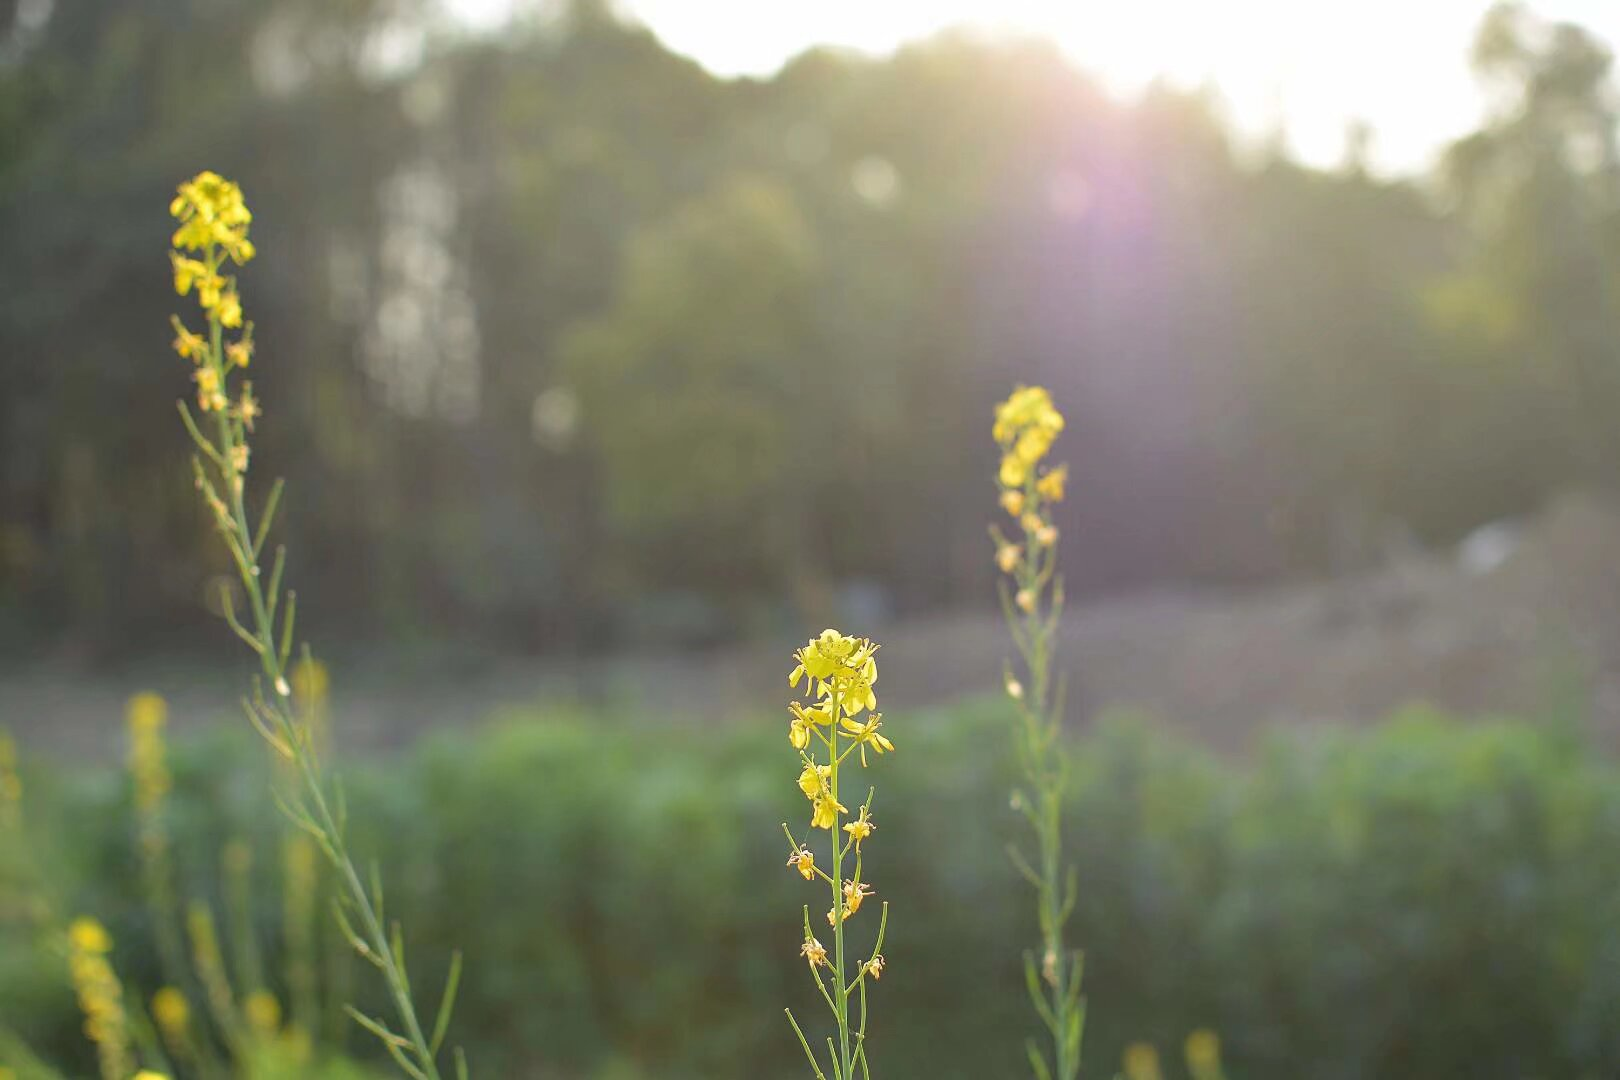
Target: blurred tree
551, 317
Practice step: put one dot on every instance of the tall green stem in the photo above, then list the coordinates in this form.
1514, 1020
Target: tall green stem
845, 1064
421, 1064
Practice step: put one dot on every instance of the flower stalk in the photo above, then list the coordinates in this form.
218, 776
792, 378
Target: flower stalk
1032, 601
838, 672
212, 235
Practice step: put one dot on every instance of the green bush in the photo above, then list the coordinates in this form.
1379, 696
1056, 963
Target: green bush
1424, 899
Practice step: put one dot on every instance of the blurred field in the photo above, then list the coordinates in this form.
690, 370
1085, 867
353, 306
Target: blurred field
1220, 666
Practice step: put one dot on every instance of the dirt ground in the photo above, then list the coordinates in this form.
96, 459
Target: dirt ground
1533, 621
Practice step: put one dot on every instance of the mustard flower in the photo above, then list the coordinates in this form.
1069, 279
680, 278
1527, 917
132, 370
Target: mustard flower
813, 780
824, 812
211, 211
210, 396
839, 671
240, 353
804, 861
1014, 471
1025, 426
1050, 485
229, 309
100, 996
263, 1012
875, 966
172, 1012
1141, 1062
1028, 408
247, 407
1203, 1050
867, 734
190, 346
854, 893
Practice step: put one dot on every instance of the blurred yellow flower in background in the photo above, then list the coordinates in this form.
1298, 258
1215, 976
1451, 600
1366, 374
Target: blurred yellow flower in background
1142, 1062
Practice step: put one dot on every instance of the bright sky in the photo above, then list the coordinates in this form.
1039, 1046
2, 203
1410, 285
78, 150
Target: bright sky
1311, 67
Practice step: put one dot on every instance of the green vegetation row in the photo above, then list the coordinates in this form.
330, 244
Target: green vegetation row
1423, 899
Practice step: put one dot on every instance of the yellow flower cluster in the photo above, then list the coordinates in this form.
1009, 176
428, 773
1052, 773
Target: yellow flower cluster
146, 714
1142, 1062
839, 672
1203, 1051
100, 996
212, 214
1026, 423
214, 222
172, 1012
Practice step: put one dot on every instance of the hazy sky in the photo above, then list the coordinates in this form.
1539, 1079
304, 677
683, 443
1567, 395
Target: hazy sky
1309, 66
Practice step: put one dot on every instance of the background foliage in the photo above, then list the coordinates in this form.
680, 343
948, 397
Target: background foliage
1421, 899
544, 319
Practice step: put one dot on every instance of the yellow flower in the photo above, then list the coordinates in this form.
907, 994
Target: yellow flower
1015, 689
171, 1010
100, 996
867, 734
239, 458
854, 893
803, 720
209, 394
1141, 1062
874, 966
839, 667
211, 211
1013, 471
1012, 502
263, 1012
1203, 1051
814, 952
1007, 556
190, 346
229, 309
1025, 601
186, 272
813, 780
1027, 408
1046, 535
824, 812
1032, 445
247, 408
240, 352
89, 936
146, 712
148, 1074
1031, 522
804, 860
1050, 486
860, 828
